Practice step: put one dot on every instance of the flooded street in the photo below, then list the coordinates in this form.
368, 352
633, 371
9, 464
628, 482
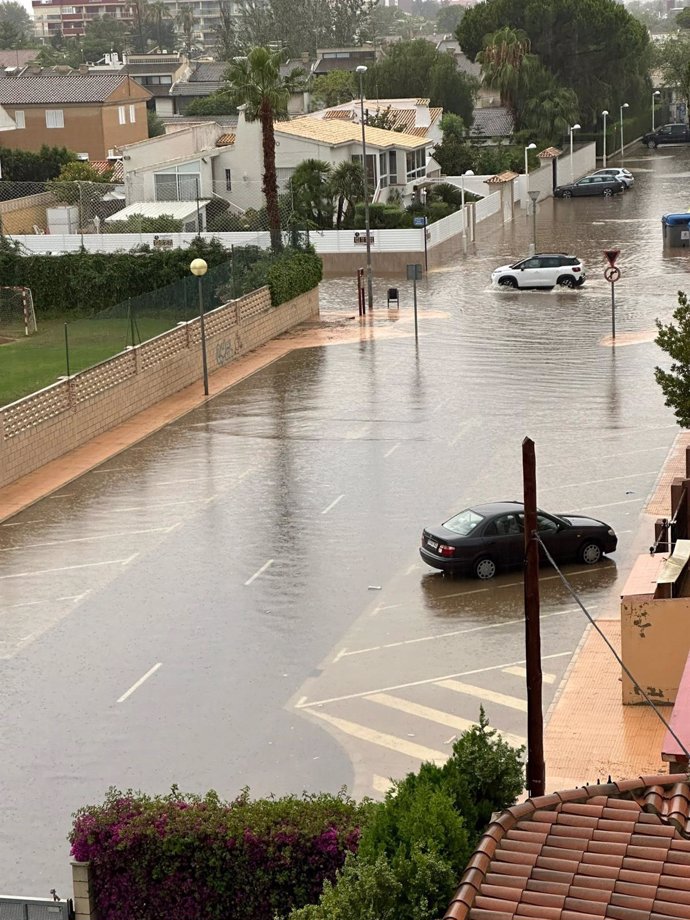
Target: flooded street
239, 599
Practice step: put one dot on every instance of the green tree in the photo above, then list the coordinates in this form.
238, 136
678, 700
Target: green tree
347, 187
595, 48
502, 59
226, 38
218, 103
186, 20
674, 339
16, 26
448, 18
309, 187
157, 15
416, 68
139, 9
333, 88
154, 123
683, 19
672, 57
257, 84
102, 36
549, 114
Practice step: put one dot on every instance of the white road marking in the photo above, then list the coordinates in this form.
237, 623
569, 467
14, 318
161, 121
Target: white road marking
106, 536
455, 632
302, 704
492, 696
115, 469
381, 784
130, 559
629, 501
595, 482
522, 672
411, 568
461, 432
381, 607
210, 477
333, 504
390, 742
67, 568
20, 523
141, 680
392, 450
61, 495
642, 450
356, 433
339, 656
152, 506
259, 572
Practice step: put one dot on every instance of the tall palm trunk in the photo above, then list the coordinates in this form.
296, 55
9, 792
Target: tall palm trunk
270, 180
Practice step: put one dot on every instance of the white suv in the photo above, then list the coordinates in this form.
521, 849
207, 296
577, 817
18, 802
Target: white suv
545, 270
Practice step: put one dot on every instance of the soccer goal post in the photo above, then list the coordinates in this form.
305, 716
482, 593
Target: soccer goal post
17, 313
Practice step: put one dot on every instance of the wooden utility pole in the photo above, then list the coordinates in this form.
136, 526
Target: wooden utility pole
536, 780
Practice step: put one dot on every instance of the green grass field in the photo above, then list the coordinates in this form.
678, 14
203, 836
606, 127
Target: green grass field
29, 363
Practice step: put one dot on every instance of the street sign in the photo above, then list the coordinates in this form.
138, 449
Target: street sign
414, 272
612, 255
612, 274
419, 221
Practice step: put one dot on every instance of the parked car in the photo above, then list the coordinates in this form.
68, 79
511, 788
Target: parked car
590, 185
667, 134
615, 172
545, 270
485, 538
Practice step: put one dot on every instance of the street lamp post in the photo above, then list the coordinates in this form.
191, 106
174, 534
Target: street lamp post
572, 167
654, 96
527, 149
199, 268
469, 172
624, 106
361, 70
534, 197
604, 115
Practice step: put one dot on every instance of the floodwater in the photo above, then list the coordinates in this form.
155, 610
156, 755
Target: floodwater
239, 600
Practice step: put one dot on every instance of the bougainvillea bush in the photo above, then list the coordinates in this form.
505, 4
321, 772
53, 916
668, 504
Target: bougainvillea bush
190, 858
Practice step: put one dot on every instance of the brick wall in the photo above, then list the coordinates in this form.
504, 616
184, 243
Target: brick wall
55, 420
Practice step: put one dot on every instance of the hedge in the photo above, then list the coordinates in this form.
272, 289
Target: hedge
197, 858
288, 274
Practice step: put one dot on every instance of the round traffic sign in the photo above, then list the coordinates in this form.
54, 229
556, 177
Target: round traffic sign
612, 274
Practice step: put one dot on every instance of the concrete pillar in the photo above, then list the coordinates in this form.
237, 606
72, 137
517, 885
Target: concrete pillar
81, 885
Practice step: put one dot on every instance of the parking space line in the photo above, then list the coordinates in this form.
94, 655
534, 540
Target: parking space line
67, 568
381, 739
392, 450
20, 523
333, 504
522, 672
115, 469
152, 506
596, 482
258, 572
629, 501
107, 536
138, 683
491, 696
305, 704
642, 450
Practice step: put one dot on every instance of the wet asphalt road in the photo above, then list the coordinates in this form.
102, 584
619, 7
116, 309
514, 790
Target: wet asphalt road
239, 600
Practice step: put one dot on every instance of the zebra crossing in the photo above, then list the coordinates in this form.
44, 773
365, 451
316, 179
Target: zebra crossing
389, 731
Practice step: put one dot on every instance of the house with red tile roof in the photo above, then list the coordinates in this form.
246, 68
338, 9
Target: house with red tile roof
618, 850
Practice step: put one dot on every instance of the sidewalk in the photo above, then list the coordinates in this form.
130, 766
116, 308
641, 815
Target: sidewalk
589, 734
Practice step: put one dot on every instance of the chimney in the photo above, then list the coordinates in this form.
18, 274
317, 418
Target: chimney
422, 115
83, 68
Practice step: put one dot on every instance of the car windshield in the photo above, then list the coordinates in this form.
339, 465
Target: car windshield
464, 523
516, 264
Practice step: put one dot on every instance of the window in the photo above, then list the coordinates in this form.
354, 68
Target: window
228, 180
132, 114
416, 164
20, 119
393, 166
55, 118
546, 524
383, 170
371, 168
182, 183
122, 114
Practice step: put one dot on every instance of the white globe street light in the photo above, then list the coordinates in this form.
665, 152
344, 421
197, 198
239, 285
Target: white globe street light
624, 106
469, 172
361, 70
572, 167
199, 268
604, 116
655, 94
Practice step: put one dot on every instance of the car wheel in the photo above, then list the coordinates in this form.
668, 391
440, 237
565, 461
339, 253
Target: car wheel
567, 194
651, 145
484, 568
507, 282
590, 552
566, 281
608, 192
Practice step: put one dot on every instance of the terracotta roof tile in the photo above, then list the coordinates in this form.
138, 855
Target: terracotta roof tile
537, 912
593, 908
550, 875
513, 869
669, 909
625, 913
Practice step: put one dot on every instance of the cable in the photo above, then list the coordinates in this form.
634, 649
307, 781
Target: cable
615, 654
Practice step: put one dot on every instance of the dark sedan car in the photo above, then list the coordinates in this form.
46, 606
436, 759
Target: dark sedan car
485, 538
590, 185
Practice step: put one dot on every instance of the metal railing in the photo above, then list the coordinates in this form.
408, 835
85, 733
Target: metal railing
16, 908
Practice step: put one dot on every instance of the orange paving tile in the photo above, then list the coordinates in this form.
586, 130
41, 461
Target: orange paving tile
659, 504
590, 734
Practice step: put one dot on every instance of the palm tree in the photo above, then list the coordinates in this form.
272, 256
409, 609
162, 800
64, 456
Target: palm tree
549, 114
311, 200
501, 60
347, 184
186, 21
158, 11
258, 85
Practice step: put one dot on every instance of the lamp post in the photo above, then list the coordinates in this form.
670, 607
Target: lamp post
624, 106
654, 96
361, 70
469, 172
572, 168
527, 149
604, 116
534, 198
199, 268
